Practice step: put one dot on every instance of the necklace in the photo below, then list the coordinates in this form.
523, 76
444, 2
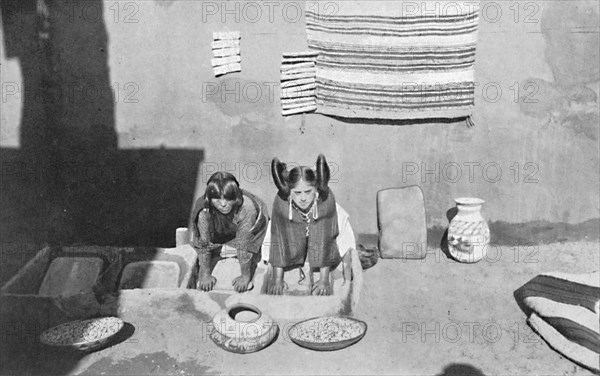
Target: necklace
306, 216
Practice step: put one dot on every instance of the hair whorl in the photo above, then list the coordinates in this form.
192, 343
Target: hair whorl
323, 176
278, 170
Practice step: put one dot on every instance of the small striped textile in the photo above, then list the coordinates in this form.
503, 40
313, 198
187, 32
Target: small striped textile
226, 52
298, 87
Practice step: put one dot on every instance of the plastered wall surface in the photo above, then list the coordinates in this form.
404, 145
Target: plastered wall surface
533, 154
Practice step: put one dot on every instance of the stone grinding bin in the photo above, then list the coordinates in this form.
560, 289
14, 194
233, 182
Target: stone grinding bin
76, 282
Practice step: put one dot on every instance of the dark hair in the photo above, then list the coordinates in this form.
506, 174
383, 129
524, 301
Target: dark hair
223, 184
285, 181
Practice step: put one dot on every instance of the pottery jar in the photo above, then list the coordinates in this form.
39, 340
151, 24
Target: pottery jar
243, 328
468, 234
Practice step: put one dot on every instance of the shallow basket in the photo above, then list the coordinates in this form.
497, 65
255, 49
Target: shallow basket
72, 334
320, 323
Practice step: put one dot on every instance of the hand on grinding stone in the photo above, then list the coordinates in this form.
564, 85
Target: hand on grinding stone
206, 283
242, 283
322, 288
277, 288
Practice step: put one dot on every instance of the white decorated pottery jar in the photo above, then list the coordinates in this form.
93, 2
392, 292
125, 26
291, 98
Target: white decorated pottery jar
469, 233
243, 328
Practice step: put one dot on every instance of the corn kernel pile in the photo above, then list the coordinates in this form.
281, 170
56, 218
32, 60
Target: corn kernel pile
327, 330
84, 331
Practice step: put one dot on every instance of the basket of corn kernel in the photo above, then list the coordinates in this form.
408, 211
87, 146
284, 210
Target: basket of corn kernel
83, 335
327, 333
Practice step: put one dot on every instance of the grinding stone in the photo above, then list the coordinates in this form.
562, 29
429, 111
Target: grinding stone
402, 223
150, 274
71, 275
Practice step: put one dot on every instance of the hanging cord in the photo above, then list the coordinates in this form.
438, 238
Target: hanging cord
311, 280
470, 122
301, 275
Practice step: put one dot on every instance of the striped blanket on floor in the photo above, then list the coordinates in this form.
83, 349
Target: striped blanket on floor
394, 59
564, 309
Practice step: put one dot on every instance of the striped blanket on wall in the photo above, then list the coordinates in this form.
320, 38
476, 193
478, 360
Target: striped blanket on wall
564, 309
394, 59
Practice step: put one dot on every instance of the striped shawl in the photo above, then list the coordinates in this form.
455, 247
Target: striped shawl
394, 59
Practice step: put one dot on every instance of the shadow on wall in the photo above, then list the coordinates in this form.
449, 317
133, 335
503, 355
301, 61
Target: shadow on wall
68, 183
572, 52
